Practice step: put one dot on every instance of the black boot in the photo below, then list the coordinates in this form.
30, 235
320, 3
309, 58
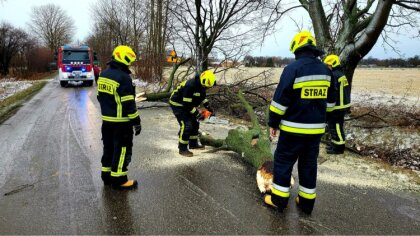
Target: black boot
336, 149
277, 202
194, 144
106, 177
306, 205
183, 150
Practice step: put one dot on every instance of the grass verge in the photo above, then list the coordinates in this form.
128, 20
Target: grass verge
10, 105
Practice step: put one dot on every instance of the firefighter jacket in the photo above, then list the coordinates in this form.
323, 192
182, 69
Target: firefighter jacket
116, 95
302, 96
343, 93
188, 95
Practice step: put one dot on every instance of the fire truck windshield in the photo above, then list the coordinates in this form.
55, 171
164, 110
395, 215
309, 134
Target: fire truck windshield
75, 56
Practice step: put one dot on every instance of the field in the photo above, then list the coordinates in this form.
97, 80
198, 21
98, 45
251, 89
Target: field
402, 82
379, 81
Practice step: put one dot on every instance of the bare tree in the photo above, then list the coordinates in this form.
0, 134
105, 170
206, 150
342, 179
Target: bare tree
115, 23
12, 42
124, 21
154, 53
225, 27
102, 42
52, 25
350, 28
140, 24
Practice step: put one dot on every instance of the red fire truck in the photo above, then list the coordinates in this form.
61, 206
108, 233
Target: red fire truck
75, 63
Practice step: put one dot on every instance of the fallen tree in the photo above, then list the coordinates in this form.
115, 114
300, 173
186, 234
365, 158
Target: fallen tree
253, 144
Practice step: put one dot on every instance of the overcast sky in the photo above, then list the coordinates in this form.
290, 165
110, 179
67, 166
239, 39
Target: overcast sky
17, 12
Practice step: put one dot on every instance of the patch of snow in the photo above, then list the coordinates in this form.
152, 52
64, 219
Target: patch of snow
146, 86
374, 99
9, 87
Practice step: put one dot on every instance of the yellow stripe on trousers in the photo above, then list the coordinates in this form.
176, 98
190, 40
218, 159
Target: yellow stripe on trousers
182, 133
122, 158
340, 136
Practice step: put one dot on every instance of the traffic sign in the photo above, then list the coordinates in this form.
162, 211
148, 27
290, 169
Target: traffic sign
173, 58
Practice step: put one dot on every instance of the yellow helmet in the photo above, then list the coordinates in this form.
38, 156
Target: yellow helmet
332, 60
207, 79
124, 54
302, 39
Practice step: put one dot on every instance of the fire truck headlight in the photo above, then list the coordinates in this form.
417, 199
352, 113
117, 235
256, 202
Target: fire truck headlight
65, 76
88, 75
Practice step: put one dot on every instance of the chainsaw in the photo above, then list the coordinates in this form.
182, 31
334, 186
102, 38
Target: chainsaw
205, 114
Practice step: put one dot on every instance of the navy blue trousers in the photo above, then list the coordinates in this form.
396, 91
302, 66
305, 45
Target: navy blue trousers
336, 129
118, 143
189, 126
290, 148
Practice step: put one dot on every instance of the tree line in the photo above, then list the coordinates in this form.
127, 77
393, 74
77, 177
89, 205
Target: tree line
391, 62
264, 61
25, 51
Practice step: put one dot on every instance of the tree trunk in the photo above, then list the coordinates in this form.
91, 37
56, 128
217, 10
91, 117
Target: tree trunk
168, 90
321, 27
352, 53
204, 61
157, 96
349, 67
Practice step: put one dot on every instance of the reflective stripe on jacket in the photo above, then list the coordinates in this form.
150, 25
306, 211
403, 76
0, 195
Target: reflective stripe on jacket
115, 94
300, 102
343, 93
188, 95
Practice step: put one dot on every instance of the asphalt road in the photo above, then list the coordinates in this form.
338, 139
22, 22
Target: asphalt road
50, 183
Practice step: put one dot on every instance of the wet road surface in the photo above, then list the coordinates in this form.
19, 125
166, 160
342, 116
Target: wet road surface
50, 183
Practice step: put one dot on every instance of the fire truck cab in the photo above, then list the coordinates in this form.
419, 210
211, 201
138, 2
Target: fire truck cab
75, 63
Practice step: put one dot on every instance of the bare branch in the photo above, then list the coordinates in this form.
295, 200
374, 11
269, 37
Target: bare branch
403, 4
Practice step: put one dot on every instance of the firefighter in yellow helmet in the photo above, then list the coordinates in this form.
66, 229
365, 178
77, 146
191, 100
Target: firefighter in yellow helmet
335, 117
298, 109
120, 118
184, 102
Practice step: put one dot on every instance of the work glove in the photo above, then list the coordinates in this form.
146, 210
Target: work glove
137, 129
207, 106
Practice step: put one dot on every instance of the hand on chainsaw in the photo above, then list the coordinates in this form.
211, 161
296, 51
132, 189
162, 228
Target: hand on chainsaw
199, 116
